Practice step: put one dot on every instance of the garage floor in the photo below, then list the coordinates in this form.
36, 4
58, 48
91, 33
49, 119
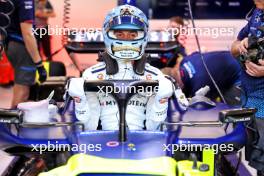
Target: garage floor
5, 101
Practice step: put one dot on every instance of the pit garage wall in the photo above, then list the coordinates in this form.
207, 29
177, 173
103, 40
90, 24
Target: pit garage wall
83, 13
90, 14
213, 42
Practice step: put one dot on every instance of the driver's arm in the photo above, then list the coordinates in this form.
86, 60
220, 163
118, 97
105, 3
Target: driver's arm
88, 111
156, 113
157, 105
87, 107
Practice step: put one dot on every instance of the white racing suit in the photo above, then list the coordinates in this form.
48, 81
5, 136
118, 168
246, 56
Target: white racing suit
140, 109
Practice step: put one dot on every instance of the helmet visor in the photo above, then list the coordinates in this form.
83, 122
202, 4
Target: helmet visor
126, 35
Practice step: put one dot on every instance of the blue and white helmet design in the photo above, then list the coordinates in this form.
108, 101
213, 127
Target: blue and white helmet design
125, 17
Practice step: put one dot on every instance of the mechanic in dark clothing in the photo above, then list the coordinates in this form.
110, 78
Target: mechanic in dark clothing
22, 50
43, 12
252, 80
169, 59
1, 43
191, 74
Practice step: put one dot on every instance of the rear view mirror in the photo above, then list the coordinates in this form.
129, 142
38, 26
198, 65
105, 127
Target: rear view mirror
237, 115
11, 116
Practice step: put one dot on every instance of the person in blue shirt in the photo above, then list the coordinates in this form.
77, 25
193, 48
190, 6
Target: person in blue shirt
252, 80
191, 75
22, 50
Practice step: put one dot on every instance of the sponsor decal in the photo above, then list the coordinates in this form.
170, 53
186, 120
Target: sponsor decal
112, 144
148, 77
190, 69
131, 102
163, 100
162, 112
131, 147
28, 4
107, 103
100, 76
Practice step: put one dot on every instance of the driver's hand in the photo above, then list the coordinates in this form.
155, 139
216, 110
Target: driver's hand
76, 90
165, 90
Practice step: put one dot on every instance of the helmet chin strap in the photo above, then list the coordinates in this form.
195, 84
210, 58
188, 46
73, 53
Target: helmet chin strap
139, 65
126, 60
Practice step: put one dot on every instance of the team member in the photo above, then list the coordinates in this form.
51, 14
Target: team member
169, 59
22, 50
253, 80
43, 12
191, 75
125, 32
1, 43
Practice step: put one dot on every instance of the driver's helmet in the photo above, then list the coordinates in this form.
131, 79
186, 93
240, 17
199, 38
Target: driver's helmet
125, 18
